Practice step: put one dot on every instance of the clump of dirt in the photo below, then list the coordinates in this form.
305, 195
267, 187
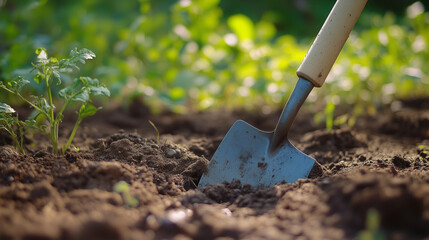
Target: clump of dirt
407, 122
338, 139
204, 147
165, 158
331, 146
402, 201
400, 162
236, 194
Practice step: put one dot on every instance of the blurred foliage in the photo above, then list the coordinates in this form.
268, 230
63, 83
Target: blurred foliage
206, 53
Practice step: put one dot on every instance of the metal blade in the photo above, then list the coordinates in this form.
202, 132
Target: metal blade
244, 155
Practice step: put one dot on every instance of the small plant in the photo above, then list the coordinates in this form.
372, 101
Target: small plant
156, 130
423, 151
48, 72
329, 112
16, 128
123, 188
372, 231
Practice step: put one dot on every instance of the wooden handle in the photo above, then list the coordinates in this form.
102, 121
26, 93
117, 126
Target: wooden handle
330, 40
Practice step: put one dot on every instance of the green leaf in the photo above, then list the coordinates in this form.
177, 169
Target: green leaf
65, 66
82, 97
39, 77
88, 81
6, 108
16, 85
3, 118
242, 26
87, 54
42, 103
45, 106
34, 114
81, 56
99, 91
53, 60
70, 90
57, 76
76, 56
93, 86
65, 92
30, 124
87, 110
39, 50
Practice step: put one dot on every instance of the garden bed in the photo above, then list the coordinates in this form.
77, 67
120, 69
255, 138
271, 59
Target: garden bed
381, 163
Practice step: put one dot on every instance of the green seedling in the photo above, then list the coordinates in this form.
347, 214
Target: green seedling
372, 231
423, 151
10, 122
156, 130
123, 188
329, 112
48, 72
75, 149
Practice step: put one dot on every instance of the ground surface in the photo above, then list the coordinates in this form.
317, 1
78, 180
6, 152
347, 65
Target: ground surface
376, 164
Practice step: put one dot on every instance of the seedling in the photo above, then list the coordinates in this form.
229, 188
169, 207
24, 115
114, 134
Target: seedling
329, 112
156, 130
123, 188
372, 231
10, 122
48, 72
423, 151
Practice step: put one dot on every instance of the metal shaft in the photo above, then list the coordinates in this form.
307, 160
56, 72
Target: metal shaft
296, 99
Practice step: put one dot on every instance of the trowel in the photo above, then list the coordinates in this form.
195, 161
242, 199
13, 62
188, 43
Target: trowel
262, 158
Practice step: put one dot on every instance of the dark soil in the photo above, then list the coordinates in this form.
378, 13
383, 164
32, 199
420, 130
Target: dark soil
381, 163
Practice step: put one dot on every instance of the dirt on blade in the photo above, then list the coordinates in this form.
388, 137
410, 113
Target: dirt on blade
382, 163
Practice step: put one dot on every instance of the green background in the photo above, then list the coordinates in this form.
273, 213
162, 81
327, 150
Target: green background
184, 55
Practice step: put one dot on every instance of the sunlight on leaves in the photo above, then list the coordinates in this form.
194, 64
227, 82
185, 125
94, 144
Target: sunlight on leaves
242, 26
6, 108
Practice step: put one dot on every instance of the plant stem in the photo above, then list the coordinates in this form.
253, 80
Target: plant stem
65, 147
16, 141
25, 100
52, 121
79, 120
21, 127
68, 101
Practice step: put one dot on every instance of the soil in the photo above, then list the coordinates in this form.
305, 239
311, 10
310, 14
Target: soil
381, 163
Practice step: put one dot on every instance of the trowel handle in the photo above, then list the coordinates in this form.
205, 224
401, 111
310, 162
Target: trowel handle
330, 40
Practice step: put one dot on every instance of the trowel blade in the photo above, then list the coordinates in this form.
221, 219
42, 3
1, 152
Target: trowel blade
244, 155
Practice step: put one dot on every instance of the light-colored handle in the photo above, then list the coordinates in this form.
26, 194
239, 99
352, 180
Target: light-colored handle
330, 40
